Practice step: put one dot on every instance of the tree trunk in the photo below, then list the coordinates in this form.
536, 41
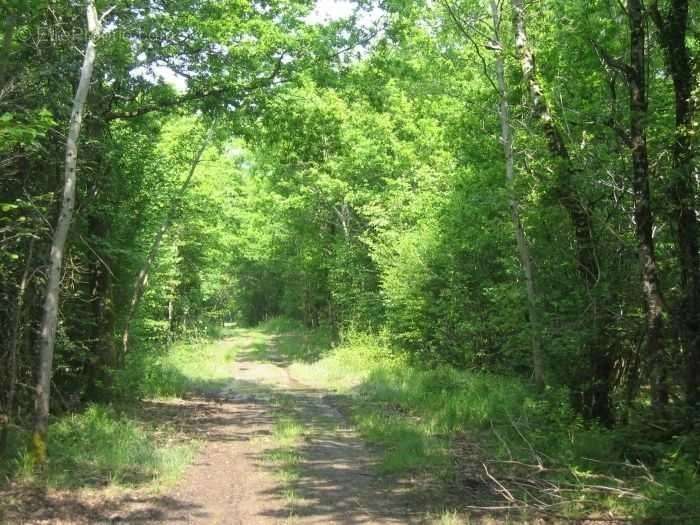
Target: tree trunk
47, 336
171, 317
673, 29
103, 358
600, 404
644, 220
7, 35
564, 191
521, 241
343, 214
140, 284
15, 336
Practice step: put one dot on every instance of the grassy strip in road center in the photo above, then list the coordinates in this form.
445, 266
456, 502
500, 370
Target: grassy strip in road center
282, 450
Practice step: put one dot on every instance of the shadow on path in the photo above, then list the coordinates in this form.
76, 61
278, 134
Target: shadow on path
231, 480
339, 481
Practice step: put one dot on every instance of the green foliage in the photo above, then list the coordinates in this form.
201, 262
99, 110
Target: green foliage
202, 366
676, 491
25, 130
102, 447
356, 184
417, 414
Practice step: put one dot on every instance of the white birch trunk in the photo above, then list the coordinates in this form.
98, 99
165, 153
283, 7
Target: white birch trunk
521, 240
47, 335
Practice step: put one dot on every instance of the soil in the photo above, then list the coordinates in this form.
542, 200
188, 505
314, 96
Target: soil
231, 482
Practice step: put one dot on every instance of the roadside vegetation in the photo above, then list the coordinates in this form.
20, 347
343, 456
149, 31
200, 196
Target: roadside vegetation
485, 215
102, 446
530, 450
114, 444
200, 364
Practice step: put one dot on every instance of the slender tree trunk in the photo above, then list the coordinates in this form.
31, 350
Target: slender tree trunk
343, 214
564, 190
7, 34
47, 337
644, 221
673, 30
103, 358
141, 279
522, 244
171, 317
15, 336
598, 395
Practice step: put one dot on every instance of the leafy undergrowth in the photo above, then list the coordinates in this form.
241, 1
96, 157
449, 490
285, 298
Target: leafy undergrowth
539, 455
100, 447
110, 445
199, 366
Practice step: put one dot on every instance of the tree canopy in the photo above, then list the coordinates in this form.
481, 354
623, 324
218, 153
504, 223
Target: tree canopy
499, 186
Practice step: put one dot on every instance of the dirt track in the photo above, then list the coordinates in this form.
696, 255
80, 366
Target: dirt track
230, 481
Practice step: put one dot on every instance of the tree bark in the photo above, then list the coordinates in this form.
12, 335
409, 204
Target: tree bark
644, 221
673, 30
103, 357
171, 318
564, 191
7, 35
521, 240
598, 395
140, 284
15, 336
47, 335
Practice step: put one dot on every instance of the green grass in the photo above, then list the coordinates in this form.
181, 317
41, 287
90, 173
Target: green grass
283, 455
449, 518
285, 437
340, 368
202, 366
295, 344
103, 445
100, 447
354, 368
418, 416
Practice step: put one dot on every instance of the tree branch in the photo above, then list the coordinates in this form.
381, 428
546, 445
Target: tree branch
462, 29
611, 62
167, 104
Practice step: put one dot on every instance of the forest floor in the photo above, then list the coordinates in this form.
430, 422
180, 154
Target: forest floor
273, 451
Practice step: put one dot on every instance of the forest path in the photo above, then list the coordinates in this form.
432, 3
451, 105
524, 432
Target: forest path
246, 472
235, 480
336, 481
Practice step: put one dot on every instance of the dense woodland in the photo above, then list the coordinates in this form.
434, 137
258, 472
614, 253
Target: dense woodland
501, 186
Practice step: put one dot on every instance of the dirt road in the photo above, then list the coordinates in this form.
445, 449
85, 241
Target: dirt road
232, 480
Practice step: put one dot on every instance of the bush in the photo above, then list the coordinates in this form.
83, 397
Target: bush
183, 367
99, 447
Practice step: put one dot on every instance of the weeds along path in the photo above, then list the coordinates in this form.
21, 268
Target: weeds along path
326, 471
277, 451
273, 451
